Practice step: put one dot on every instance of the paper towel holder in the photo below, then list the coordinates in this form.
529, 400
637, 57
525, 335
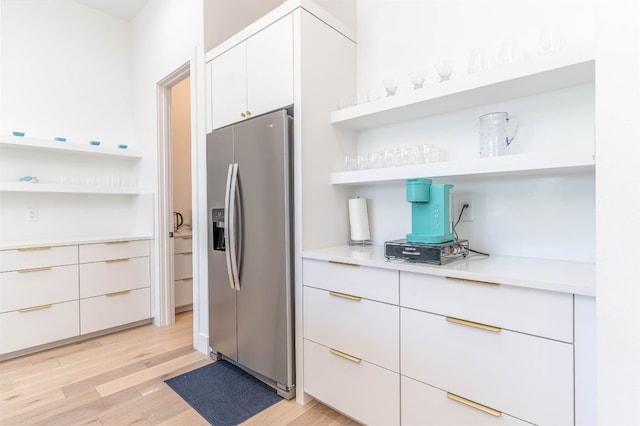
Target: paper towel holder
359, 223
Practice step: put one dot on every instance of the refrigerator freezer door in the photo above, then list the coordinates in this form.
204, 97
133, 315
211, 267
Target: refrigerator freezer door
222, 301
261, 150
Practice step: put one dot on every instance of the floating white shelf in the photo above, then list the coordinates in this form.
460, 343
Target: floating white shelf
521, 164
558, 70
45, 144
69, 189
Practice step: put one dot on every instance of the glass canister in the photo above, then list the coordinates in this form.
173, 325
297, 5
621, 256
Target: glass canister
497, 130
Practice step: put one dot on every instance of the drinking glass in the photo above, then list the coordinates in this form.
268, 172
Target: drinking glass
424, 153
390, 85
387, 158
444, 67
417, 78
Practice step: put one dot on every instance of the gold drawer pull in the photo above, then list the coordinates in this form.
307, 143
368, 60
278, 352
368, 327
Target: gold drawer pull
118, 293
47, 268
345, 356
465, 280
474, 324
34, 308
345, 296
184, 280
117, 260
185, 238
474, 404
33, 248
335, 262
117, 242
187, 253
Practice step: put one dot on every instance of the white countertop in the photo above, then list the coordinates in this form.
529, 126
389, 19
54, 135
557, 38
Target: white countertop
53, 242
543, 274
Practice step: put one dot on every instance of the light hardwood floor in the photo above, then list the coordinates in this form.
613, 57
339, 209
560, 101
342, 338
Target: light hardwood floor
118, 379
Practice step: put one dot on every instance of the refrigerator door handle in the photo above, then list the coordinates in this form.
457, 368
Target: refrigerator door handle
232, 249
227, 220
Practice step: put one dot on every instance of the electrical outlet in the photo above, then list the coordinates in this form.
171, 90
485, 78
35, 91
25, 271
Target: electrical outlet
32, 215
467, 214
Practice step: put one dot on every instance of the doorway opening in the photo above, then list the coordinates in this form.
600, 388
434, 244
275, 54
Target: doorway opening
174, 218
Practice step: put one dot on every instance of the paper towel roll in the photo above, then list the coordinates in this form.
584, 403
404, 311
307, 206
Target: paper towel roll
359, 219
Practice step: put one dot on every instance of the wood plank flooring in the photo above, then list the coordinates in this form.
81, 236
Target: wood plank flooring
118, 379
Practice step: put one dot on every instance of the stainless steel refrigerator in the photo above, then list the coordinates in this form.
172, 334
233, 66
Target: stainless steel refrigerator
250, 210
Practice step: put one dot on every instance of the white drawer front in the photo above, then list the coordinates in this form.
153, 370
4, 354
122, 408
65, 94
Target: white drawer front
181, 244
364, 328
102, 312
113, 250
34, 287
425, 405
368, 393
38, 257
21, 330
183, 292
528, 377
182, 264
112, 276
537, 312
370, 283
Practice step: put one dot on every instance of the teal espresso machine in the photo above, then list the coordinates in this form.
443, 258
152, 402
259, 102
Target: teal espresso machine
432, 238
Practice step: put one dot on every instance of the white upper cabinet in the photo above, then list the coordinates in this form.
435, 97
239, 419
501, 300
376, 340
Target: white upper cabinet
254, 77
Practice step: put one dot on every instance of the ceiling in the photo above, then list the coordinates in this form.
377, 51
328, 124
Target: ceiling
123, 9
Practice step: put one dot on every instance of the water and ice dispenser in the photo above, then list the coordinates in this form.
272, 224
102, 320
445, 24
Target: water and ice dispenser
217, 217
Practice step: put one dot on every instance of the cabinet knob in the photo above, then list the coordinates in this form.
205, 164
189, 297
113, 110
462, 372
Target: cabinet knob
242, 114
248, 113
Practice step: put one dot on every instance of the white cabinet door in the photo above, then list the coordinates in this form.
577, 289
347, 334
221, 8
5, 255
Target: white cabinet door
363, 328
270, 67
44, 324
102, 312
229, 86
254, 77
528, 377
425, 405
366, 392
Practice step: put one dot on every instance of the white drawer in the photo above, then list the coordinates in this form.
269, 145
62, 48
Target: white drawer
181, 244
21, 330
183, 292
370, 283
537, 312
528, 377
102, 312
40, 286
37, 257
182, 265
366, 392
363, 328
113, 276
113, 250
425, 405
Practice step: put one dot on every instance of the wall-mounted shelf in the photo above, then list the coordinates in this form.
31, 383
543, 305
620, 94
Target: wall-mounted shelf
521, 164
69, 189
565, 68
45, 144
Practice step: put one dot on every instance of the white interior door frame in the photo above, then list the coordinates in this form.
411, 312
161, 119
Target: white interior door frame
165, 311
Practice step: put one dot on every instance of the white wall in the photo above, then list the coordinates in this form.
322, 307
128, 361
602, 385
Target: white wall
66, 72
165, 35
181, 148
618, 209
396, 37
54, 53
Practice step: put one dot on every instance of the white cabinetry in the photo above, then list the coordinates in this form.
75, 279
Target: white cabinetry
254, 77
114, 285
351, 326
53, 294
486, 350
182, 271
38, 296
524, 376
